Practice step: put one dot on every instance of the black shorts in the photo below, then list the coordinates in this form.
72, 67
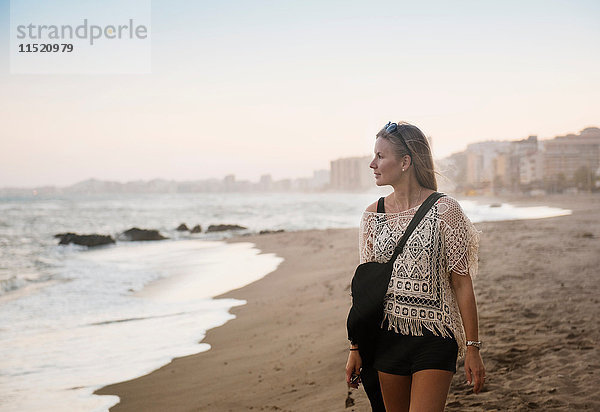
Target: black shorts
404, 355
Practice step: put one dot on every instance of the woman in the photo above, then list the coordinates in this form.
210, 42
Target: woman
430, 313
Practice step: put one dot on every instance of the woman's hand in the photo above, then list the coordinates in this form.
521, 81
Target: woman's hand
474, 369
353, 366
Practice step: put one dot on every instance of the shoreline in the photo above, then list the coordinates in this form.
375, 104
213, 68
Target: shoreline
260, 305
286, 349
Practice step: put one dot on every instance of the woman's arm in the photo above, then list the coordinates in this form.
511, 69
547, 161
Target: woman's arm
465, 297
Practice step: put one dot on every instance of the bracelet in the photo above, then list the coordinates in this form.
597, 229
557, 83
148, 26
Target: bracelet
475, 343
353, 348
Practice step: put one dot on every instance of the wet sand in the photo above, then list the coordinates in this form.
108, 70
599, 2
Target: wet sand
539, 304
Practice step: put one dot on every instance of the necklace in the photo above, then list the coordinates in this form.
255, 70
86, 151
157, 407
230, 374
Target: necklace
419, 198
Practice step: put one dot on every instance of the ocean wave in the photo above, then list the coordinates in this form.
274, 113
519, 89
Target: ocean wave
15, 282
10, 284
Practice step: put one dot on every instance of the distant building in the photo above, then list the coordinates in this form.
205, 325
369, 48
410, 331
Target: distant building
474, 168
482, 165
320, 179
229, 183
283, 185
520, 149
352, 173
265, 182
504, 171
525, 147
531, 168
563, 155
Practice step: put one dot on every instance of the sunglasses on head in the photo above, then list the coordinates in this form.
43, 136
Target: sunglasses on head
391, 127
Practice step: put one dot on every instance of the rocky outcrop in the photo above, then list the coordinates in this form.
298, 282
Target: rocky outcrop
135, 234
84, 240
221, 228
264, 232
183, 227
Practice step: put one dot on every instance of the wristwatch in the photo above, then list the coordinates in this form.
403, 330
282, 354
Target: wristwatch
476, 343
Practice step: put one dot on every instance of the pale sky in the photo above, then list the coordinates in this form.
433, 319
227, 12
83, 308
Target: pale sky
284, 87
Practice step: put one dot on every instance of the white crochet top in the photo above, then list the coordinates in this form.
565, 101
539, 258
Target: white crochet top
420, 294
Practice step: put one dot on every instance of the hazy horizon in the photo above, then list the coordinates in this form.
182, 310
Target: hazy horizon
252, 88
197, 178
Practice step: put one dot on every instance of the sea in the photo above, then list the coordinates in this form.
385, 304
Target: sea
74, 319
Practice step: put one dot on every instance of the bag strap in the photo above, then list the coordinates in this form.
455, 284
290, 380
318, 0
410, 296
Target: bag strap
421, 212
380, 206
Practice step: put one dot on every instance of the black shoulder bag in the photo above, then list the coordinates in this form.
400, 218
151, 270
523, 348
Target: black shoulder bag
369, 287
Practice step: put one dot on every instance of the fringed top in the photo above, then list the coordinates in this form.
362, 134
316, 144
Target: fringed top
420, 294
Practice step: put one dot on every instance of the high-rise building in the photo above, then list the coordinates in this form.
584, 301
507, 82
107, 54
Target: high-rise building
352, 173
565, 154
481, 160
265, 182
531, 168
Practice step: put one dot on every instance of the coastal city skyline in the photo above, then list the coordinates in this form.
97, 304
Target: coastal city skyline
533, 165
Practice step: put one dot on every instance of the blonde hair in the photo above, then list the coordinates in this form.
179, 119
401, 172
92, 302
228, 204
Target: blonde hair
409, 140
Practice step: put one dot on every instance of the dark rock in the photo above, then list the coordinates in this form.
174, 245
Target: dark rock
84, 240
182, 227
264, 232
196, 229
135, 234
496, 205
221, 228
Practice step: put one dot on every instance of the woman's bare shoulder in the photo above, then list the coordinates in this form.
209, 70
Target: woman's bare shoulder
372, 207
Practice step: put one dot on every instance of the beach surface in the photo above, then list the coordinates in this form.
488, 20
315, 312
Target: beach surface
539, 304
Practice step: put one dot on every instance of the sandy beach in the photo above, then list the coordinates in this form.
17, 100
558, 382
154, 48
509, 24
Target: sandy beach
538, 298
